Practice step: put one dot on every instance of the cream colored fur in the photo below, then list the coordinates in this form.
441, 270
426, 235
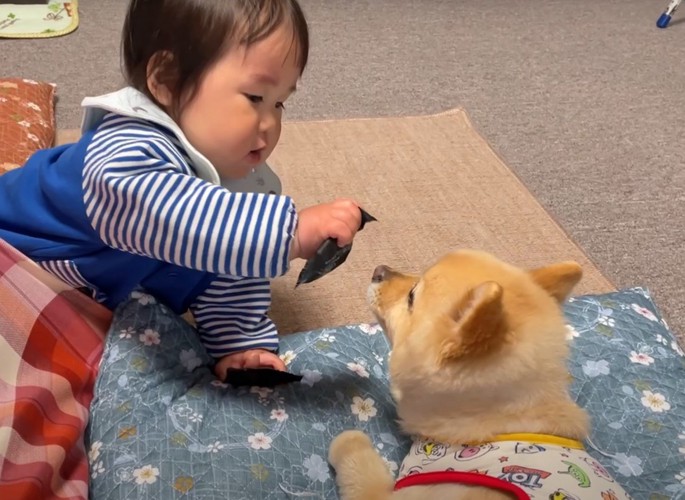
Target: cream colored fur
481, 351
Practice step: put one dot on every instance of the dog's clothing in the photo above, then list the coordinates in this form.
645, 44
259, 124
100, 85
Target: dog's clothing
539, 466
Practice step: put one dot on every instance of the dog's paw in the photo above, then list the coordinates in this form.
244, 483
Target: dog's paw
347, 443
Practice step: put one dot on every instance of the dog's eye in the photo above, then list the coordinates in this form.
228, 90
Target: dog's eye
410, 298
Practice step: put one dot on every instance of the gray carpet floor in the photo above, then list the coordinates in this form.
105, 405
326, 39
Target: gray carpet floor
583, 99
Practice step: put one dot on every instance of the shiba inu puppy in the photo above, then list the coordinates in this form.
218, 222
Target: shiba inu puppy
478, 373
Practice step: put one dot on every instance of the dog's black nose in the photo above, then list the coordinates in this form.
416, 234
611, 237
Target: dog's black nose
379, 274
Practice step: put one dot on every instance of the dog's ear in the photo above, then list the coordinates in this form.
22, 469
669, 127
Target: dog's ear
478, 323
558, 279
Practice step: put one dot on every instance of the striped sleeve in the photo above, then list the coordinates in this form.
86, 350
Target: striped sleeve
67, 271
142, 197
231, 316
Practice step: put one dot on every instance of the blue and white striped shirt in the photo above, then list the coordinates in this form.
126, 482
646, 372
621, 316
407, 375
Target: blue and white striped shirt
142, 196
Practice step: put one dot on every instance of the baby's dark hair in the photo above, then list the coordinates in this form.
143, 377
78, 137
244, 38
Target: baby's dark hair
187, 36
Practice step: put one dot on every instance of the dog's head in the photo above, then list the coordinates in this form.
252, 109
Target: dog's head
473, 329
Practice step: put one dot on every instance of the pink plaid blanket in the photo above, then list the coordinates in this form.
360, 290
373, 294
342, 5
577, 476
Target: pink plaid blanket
51, 340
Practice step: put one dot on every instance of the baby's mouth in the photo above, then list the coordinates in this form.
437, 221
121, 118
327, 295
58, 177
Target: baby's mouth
255, 156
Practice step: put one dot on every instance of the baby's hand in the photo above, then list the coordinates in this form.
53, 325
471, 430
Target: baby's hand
254, 358
339, 220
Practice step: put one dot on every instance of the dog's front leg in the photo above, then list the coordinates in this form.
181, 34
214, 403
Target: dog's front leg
361, 473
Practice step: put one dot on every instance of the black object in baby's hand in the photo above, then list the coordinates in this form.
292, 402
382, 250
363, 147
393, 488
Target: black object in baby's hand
328, 256
260, 377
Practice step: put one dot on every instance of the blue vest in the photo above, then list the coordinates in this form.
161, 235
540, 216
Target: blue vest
42, 214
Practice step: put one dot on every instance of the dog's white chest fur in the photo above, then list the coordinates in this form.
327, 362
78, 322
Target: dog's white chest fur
543, 470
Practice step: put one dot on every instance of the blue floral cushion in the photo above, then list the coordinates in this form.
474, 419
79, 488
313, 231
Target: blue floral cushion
163, 427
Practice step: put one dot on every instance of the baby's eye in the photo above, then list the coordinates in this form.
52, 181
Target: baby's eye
254, 98
280, 105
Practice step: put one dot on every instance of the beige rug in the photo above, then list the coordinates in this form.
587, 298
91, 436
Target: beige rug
434, 184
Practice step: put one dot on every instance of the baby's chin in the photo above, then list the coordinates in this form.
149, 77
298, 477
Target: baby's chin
236, 172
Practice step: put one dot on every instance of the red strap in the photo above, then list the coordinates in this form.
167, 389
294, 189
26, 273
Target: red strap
470, 478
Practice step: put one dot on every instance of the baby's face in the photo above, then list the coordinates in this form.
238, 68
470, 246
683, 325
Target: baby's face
234, 119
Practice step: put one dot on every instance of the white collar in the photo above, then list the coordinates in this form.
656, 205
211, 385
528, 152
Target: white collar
130, 102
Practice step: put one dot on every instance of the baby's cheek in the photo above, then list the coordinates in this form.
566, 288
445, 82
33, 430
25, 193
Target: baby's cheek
274, 136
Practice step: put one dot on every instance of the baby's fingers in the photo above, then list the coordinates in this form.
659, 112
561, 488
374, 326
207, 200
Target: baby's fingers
342, 232
252, 360
348, 211
270, 360
227, 363
347, 220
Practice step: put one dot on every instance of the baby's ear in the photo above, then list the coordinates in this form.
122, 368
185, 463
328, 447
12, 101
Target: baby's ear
478, 323
162, 74
558, 279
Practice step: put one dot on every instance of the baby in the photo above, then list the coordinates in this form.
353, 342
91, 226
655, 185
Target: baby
167, 190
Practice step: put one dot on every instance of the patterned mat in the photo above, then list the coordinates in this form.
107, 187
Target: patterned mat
38, 20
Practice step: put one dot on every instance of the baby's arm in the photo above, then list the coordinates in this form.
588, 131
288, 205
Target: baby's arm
162, 211
231, 315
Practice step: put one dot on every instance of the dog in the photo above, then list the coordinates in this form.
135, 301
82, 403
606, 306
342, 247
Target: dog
478, 373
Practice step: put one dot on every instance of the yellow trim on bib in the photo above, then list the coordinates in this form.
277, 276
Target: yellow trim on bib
540, 438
